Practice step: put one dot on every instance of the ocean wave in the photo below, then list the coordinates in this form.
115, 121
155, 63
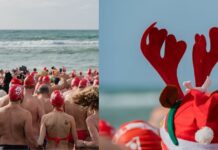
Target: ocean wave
48, 43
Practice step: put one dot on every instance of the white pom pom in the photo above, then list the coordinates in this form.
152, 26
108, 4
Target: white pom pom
204, 135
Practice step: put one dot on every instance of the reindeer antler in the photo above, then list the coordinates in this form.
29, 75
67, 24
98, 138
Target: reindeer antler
203, 61
174, 50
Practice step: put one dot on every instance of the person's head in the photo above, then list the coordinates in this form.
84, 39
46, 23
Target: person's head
75, 82
57, 99
29, 82
46, 80
83, 83
16, 93
34, 69
43, 90
56, 80
89, 98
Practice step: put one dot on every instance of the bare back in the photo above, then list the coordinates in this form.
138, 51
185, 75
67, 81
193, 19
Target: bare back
12, 129
32, 104
78, 112
59, 125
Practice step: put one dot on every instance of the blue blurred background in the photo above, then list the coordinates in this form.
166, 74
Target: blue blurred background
130, 87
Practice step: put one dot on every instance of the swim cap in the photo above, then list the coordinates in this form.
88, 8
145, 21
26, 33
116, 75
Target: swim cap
29, 81
106, 129
89, 71
83, 83
15, 81
75, 82
40, 79
136, 135
96, 82
57, 98
16, 93
73, 74
46, 80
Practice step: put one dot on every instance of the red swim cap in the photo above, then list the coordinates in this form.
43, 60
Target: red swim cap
96, 82
73, 74
16, 92
83, 83
46, 80
89, 71
138, 135
15, 81
40, 79
57, 98
29, 81
106, 129
75, 82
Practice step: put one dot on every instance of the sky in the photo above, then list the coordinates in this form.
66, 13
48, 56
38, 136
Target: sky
49, 14
122, 23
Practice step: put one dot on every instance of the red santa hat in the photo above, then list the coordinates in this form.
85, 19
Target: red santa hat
191, 122
106, 129
137, 135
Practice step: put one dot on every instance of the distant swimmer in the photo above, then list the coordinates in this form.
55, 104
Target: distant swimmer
16, 123
58, 127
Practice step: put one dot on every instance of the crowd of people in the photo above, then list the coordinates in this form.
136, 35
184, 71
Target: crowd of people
49, 109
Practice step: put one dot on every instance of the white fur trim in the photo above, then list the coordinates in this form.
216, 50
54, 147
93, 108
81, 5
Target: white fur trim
204, 135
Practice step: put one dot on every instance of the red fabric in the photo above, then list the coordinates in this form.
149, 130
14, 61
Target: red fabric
57, 139
82, 134
40, 79
197, 110
29, 81
46, 80
75, 82
135, 136
15, 81
106, 129
204, 61
174, 50
96, 82
83, 83
16, 92
89, 71
57, 99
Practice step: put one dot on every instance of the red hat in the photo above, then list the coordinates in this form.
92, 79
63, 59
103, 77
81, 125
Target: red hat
16, 92
80, 73
46, 80
57, 98
83, 83
29, 81
75, 82
45, 69
73, 74
89, 71
15, 81
138, 135
96, 82
40, 79
106, 129
192, 120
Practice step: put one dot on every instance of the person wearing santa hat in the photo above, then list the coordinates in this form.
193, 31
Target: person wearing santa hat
32, 104
16, 123
106, 129
89, 98
58, 127
138, 134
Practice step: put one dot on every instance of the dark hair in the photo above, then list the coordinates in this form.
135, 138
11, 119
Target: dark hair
7, 81
89, 97
44, 89
56, 81
34, 69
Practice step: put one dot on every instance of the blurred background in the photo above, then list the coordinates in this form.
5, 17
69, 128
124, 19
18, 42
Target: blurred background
130, 87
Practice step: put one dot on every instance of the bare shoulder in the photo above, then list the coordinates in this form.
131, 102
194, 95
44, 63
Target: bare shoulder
69, 116
4, 100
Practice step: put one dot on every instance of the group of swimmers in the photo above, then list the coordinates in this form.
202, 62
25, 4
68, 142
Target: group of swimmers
51, 109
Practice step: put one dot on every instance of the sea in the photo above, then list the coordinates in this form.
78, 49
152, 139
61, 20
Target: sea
74, 49
119, 107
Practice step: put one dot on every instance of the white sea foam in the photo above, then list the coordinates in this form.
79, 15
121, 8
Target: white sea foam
48, 43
